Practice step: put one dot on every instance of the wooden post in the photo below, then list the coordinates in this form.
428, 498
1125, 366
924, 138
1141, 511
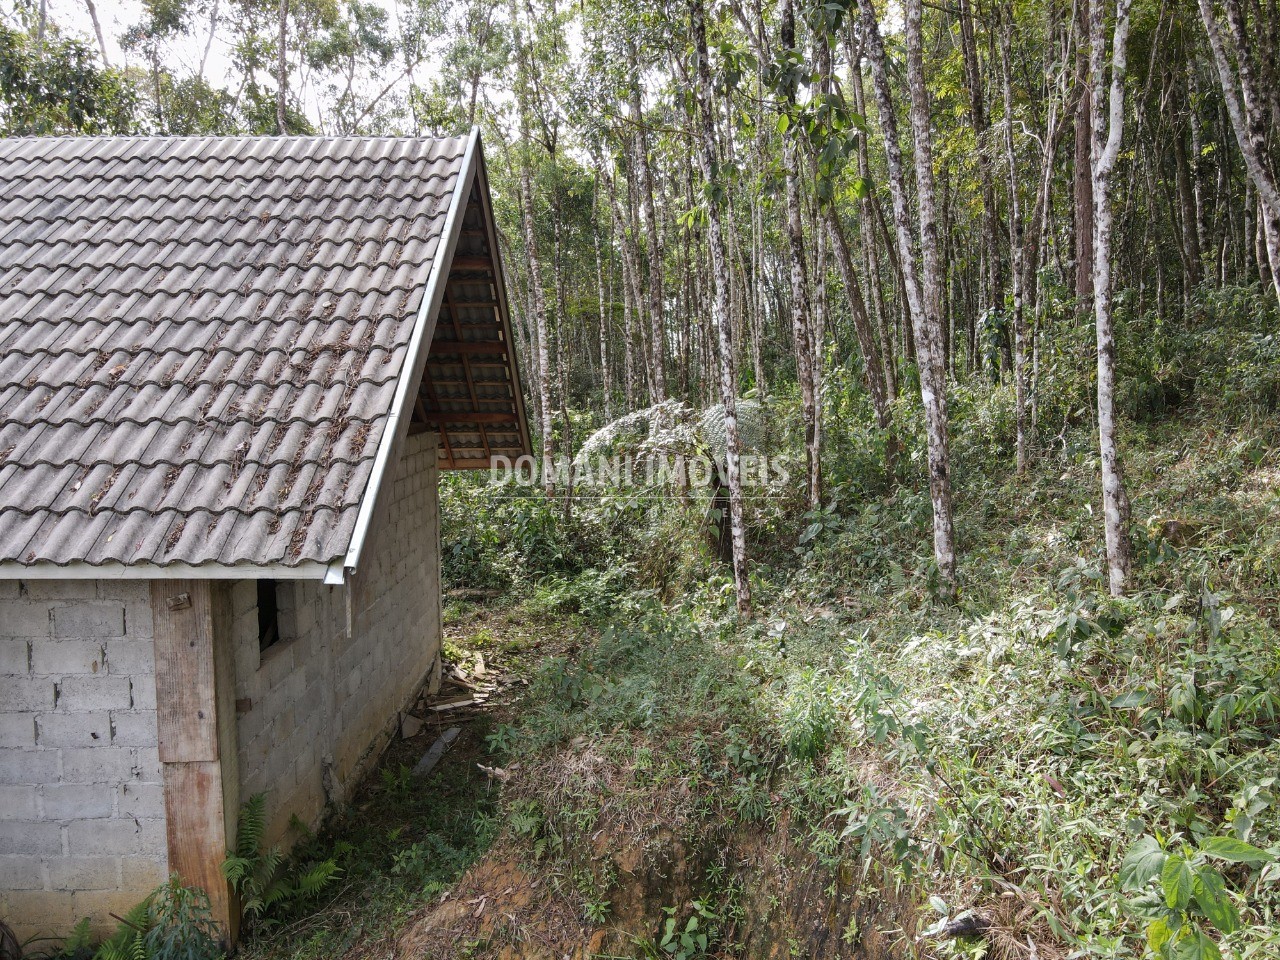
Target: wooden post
195, 719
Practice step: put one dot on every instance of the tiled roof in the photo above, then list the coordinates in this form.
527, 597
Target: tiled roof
200, 340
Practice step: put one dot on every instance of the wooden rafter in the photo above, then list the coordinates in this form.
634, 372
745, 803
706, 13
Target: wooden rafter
429, 388
466, 360
469, 348
470, 416
473, 262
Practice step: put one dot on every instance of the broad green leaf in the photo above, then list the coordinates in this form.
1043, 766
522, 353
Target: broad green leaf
1144, 860
1175, 879
1134, 698
1234, 851
1210, 892
784, 121
1158, 934
1198, 946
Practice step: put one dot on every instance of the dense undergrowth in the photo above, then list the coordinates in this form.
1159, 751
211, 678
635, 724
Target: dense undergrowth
1091, 776
1062, 773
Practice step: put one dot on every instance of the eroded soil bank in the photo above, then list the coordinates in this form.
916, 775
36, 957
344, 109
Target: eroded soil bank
762, 893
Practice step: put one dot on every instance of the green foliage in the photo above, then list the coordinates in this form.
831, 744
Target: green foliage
173, 923
57, 88
1183, 895
1223, 354
265, 881
694, 938
79, 944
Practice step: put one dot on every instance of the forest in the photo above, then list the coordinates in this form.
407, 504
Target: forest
985, 662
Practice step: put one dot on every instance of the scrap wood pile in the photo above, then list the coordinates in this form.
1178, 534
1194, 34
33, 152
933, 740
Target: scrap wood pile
464, 694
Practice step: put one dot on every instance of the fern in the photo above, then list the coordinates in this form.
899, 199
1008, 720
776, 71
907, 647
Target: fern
251, 826
124, 943
173, 923
77, 945
134, 947
312, 881
261, 877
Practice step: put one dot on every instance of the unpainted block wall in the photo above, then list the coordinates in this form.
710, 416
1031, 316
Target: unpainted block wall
82, 829
316, 707
82, 822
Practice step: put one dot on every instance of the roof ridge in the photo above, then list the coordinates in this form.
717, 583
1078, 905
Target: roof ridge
236, 137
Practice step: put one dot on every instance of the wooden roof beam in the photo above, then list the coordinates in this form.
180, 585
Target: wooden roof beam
469, 416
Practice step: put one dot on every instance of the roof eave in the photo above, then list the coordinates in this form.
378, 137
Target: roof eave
81, 570
504, 308
415, 361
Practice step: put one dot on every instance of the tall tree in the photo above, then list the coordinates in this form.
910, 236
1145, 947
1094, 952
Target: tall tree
923, 293
1107, 112
1248, 112
1017, 250
652, 240
1082, 184
282, 68
791, 63
537, 291
706, 135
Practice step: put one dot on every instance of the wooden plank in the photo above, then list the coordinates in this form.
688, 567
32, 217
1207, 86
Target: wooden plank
186, 717
466, 347
466, 364
428, 387
466, 262
195, 824
195, 685
447, 416
438, 749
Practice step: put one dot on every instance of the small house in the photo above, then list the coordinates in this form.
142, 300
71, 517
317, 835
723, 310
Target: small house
231, 370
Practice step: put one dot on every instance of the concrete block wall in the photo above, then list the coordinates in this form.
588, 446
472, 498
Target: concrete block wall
395, 599
316, 707
284, 697
82, 828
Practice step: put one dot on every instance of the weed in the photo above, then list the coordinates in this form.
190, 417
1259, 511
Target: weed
263, 879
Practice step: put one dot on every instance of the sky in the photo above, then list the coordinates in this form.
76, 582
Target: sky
117, 16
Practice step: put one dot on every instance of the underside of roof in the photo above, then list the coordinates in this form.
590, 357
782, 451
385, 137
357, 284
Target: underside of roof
210, 346
470, 390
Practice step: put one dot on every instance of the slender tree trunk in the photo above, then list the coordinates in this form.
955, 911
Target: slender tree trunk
1107, 110
873, 369
629, 340
867, 207
720, 308
605, 311
1083, 181
800, 327
1187, 211
97, 32
639, 307
540, 326
653, 247
282, 69
1246, 112
1021, 346
537, 291
979, 119
926, 301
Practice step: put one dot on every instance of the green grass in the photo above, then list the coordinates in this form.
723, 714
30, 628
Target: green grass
400, 843
1003, 754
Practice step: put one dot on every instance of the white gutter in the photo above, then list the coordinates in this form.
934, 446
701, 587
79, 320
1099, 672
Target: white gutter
415, 358
310, 570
